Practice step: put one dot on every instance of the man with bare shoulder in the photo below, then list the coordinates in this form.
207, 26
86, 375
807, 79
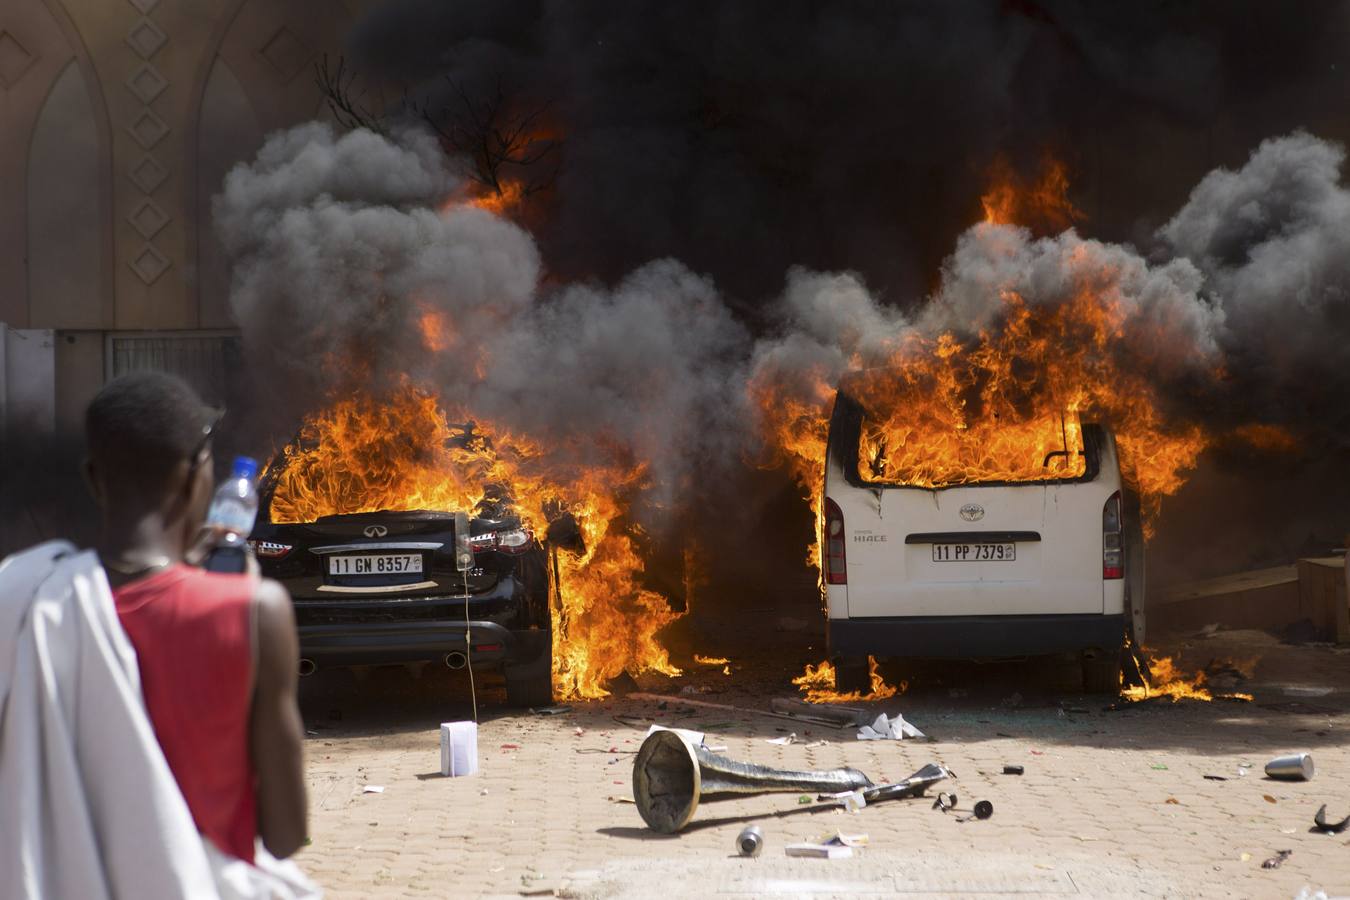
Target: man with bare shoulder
217, 653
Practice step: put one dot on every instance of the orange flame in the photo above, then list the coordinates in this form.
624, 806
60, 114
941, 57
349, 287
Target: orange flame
505, 202
944, 411
436, 331
402, 451
818, 684
1043, 205
1166, 679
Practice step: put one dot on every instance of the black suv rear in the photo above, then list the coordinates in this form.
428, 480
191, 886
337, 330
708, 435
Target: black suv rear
383, 587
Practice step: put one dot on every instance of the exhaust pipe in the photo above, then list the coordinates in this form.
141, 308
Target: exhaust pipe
308, 667
456, 660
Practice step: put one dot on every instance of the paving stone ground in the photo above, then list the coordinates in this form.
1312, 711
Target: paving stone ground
1112, 803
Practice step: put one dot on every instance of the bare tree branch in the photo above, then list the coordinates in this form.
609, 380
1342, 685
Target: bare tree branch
337, 85
496, 141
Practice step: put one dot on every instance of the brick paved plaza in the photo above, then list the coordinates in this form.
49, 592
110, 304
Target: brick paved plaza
1112, 802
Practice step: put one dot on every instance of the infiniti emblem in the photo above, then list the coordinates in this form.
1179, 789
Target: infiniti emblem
381, 531
972, 512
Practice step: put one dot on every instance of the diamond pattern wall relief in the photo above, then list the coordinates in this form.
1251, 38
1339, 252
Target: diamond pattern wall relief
145, 37
14, 59
287, 53
148, 129
149, 264
146, 83
148, 174
147, 218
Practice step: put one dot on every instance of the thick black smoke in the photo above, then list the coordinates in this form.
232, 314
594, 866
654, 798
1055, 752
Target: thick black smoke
745, 138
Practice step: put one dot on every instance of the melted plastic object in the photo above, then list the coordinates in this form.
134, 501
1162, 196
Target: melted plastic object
1320, 820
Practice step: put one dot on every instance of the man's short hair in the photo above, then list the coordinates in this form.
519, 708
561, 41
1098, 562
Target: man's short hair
143, 424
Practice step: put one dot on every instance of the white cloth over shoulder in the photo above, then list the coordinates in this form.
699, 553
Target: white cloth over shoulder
90, 808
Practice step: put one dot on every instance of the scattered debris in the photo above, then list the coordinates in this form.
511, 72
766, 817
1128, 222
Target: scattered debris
750, 841
617, 798
832, 714
853, 802
373, 789
1245, 857
893, 728
945, 801
1268, 798
803, 800
1159, 767
983, 810
1173, 801
784, 740
1294, 767
913, 786
834, 846
1215, 777
551, 710
1277, 860
1013, 770
1321, 824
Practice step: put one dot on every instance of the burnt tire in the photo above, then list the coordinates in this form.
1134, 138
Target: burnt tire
851, 674
1101, 672
530, 685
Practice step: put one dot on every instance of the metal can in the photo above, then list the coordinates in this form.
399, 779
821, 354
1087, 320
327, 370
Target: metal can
750, 841
1294, 767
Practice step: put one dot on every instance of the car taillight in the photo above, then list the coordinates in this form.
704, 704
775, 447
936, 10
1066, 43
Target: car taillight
832, 543
1113, 553
517, 540
269, 549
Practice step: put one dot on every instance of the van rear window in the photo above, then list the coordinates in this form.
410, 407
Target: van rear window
935, 444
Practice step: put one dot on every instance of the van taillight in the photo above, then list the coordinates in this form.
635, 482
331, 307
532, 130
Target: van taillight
832, 543
1113, 553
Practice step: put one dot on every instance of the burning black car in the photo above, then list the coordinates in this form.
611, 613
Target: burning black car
387, 587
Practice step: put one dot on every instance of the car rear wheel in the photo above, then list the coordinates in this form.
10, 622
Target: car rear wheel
851, 674
1101, 671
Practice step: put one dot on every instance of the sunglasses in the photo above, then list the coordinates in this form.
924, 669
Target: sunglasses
208, 430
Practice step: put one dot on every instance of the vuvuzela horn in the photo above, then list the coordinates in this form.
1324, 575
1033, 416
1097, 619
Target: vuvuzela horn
670, 777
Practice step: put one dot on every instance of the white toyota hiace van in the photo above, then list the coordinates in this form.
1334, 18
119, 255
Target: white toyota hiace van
988, 569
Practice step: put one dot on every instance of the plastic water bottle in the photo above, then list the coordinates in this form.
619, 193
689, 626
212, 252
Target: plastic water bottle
232, 514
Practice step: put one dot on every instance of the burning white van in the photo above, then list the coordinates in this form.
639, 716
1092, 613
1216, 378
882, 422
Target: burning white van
955, 542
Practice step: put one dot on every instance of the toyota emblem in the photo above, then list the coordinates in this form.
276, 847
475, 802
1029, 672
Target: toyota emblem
375, 531
972, 512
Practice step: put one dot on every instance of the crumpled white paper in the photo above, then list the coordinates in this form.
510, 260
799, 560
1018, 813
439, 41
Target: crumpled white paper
892, 728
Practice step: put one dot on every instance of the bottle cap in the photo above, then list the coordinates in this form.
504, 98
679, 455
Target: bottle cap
244, 467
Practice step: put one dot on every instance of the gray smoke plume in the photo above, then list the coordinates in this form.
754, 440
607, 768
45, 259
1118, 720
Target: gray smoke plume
344, 244
1273, 241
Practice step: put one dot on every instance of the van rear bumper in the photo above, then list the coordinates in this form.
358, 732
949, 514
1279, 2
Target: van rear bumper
962, 637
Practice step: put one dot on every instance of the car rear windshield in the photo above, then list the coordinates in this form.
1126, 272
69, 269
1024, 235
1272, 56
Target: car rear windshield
887, 445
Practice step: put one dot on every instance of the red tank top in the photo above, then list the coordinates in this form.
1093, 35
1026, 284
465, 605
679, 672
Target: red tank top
193, 634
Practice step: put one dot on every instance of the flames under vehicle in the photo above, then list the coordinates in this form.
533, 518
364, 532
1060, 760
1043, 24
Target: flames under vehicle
383, 587
1003, 553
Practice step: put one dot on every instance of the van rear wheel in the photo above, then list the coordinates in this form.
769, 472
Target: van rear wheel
1101, 671
851, 674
